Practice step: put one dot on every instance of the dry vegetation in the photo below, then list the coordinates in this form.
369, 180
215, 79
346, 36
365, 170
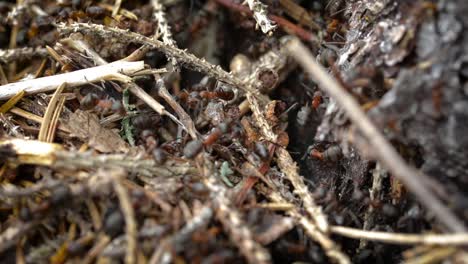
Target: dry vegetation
222, 131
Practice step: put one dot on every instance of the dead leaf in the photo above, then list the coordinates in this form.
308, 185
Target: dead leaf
85, 126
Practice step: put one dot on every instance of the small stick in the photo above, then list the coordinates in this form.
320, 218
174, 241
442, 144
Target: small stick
402, 239
129, 216
383, 150
113, 71
102, 241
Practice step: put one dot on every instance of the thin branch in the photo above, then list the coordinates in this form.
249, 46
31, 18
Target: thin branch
384, 152
402, 239
188, 59
230, 218
113, 71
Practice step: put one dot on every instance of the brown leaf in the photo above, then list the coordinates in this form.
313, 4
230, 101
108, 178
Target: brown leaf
85, 126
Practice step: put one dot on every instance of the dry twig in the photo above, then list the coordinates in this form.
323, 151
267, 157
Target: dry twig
402, 239
113, 71
188, 59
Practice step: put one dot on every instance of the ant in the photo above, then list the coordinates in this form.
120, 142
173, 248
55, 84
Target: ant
93, 101
328, 152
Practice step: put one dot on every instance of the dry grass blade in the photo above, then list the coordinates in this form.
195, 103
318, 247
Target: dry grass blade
101, 243
403, 239
47, 126
155, 105
383, 150
116, 8
3, 77
11, 102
